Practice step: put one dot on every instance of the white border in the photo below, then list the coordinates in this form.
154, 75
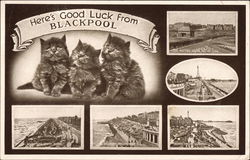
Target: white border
204, 54
208, 106
50, 106
125, 148
192, 100
125, 157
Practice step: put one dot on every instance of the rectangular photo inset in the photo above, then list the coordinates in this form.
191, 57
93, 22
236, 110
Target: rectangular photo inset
47, 127
203, 127
129, 127
202, 33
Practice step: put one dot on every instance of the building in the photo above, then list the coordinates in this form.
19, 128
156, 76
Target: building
150, 132
228, 27
200, 32
180, 24
185, 31
182, 29
180, 78
153, 119
218, 27
151, 135
210, 26
176, 122
73, 121
171, 77
187, 76
142, 115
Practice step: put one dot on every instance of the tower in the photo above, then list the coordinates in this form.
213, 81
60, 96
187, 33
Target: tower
187, 114
198, 73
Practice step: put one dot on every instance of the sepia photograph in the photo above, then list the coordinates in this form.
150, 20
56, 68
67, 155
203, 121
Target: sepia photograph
81, 66
132, 127
192, 128
201, 80
47, 127
124, 80
202, 32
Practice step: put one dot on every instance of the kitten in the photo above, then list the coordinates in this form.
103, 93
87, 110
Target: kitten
123, 76
52, 73
84, 74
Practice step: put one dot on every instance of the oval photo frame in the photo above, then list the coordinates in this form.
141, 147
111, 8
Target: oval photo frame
201, 80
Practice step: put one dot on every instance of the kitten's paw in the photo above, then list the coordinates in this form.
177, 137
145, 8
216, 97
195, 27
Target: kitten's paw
103, 95
47, 93
86, 97
55, 94
77, 95
98, 98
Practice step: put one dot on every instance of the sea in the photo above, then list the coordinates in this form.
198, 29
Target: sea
25, 126
230, 129
100, 132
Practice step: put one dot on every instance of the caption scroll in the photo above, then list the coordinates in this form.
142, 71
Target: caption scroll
85, 19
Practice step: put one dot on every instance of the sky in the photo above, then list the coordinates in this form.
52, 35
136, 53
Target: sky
208, 68
202, 17
109, 112
216, 113
46, 112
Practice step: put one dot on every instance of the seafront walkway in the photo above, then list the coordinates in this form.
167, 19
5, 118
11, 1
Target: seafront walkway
222, 145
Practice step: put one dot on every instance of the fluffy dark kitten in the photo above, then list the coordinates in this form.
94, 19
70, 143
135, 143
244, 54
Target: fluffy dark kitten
123, 76
84, 74
52, 73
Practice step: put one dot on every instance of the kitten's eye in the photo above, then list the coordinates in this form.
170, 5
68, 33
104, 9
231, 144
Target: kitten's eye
47, 50
75, 52
114, 52
81, 53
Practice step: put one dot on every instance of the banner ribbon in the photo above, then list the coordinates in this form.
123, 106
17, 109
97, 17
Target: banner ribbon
85, 19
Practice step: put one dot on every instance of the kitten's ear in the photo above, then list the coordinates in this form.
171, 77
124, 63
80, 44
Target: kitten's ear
109, 38
127, 44
63, 38
79, 43
42, 41
97, 52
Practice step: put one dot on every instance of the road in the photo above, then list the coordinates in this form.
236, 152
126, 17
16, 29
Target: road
203, 91
208, 46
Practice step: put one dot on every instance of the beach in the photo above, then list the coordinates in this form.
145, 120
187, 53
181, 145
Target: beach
100, 133
25, 126
229, 128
